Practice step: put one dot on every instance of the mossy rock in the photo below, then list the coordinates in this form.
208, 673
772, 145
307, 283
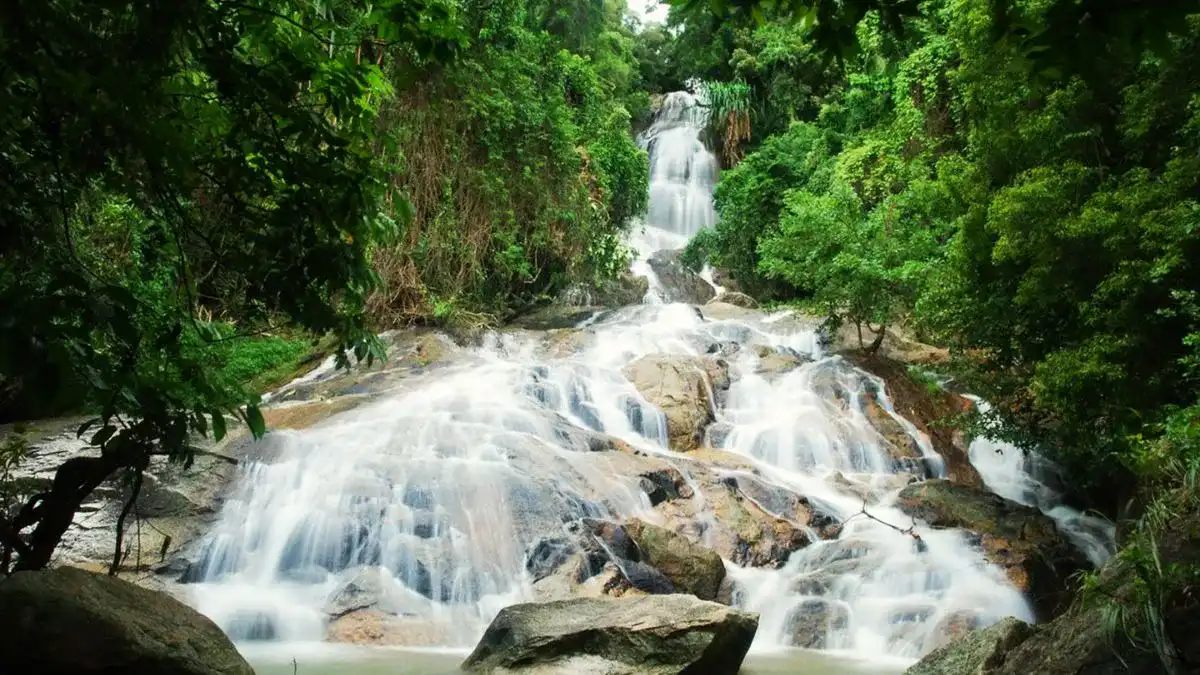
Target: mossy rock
1027, 544
690, 567
69, 620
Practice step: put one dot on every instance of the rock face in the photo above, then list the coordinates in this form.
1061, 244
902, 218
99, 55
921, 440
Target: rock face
773, 362
679, 284
925, 407
1020, 539
679, 386
655, 635
814, 623
981, 652
737, 299
68, 620
691, 568
373, 627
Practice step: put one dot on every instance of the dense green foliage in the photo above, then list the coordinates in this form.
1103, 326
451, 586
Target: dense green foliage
1045, 225
182, 177
1009, 181
519, 160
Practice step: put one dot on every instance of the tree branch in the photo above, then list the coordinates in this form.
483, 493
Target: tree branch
133, 496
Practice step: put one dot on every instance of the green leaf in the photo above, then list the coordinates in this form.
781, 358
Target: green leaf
87, 425
255, 421
102, 436
218, 425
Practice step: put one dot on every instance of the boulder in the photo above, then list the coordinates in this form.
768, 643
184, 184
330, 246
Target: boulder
689, 567
815, 624
376, 628
679, 387
376, 588
980, 652
1026, 544
68, 620
679, 284
736, 299
897, 345
552, 317
653, 635
773, 362
723, 311
664, 485
1079, 640
740, 530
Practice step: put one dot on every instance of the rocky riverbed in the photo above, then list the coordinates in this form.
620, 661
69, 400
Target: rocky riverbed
716, 450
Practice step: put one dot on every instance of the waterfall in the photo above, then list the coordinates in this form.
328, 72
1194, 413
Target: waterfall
460, 482
682, 175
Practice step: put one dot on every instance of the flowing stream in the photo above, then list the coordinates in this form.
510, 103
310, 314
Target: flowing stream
458, 481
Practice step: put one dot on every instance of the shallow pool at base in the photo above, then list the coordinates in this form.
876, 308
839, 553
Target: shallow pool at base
322, 659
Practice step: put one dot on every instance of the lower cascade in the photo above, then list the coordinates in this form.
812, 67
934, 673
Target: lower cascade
608, 459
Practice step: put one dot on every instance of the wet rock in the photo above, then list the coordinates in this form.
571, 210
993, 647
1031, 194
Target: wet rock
1078, 641
736, 299
897, 345
67, 620
981, 652
871, 488
730, 592
725, 280
678, 386
656, 635
814, 624
928, 408
627, 289
723, 348
679, 284
308, 414
664, 485
1035, 556
547, 556
735, 527
251, 627
773, 362
373, 587
646, 579
717, 433
372, 627
904, 450
691, 568
953, 627
553, 317
614, 538
721, 311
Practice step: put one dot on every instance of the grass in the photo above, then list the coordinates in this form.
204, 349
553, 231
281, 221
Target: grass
263, 363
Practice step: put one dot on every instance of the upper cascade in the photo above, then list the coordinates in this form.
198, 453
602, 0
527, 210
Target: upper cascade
682, 170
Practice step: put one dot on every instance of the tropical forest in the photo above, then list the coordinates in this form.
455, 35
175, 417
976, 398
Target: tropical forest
845, 337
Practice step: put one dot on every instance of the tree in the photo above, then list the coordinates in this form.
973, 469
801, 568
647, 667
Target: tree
160, 159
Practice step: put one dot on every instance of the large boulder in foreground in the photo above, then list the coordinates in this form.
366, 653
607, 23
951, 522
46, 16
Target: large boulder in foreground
1025, 543
980, 652
679, 284
679, 387
653, 634
690, 567
69, 620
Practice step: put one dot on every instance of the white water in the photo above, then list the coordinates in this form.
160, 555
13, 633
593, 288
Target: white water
1028, 478
452, 480
682, 175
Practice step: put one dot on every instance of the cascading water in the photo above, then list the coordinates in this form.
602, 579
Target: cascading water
682, 175
461, 483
